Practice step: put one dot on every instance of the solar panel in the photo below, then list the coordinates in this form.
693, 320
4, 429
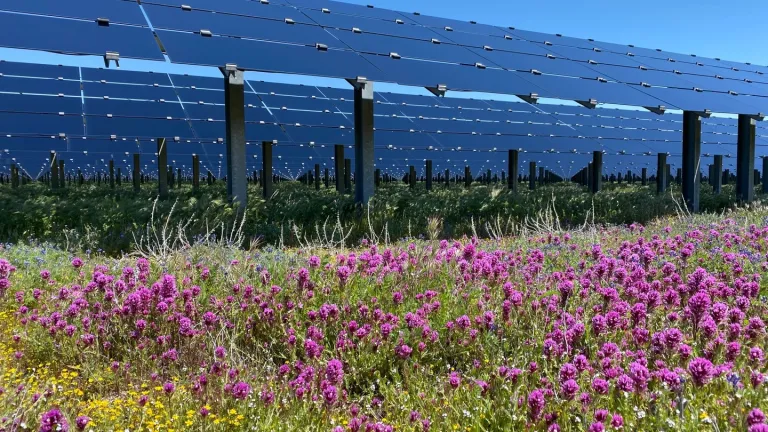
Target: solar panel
39, 70
40, 124
128, 91
131, 127
298, 103
234, 25
350, 9
122, 76
116, 11
76, 37
274, 9
543, 64
40, 104
369, 25
264, 56
463, 26
263, 87
39, 86
691, 100
125, 108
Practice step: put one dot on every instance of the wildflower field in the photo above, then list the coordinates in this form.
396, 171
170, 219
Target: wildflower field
637, 328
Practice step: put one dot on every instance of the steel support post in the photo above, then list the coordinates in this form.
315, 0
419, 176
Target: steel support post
348, 175
317, 177
234, 116
745, 158
691, 159
429, 175
467, 176
111, 174
717, 175
54, 171
644, 176
195, 173
532, 176
338, 159
162, 168
661, 173
62, 176
364, 152
266, 169
597, 172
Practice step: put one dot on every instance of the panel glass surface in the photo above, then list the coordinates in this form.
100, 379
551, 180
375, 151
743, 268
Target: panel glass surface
40, 124
40, 104
298, 103
123, 76
265, 56
76, 37
584, 90
369, 25
39, 86
424, 74
124, 108
263, 87
526, 63
235, 25
699, 101
468, 27
350, 9
553, 39
638, 76
415, 49
117, 11
585, 55
127, 91
137, 127
39, 70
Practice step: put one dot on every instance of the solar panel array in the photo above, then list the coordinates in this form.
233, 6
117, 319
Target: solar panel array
90, 116
334, 39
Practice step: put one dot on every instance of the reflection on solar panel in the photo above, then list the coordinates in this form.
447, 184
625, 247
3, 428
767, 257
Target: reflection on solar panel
122, 112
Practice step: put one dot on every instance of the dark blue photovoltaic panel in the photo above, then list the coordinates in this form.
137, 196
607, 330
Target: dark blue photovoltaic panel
760, 103
123, 76
137, 127
553, 39
638, 76
584, 90
415, 49
124, 108
336, 93
40, 104
298, 103
350, 9
461, 103
253, 131
126, 91
235, 25
40, 124
543, 64
265, 56
592, 55
76, 37
402, 123
274, 9
38, 70
198, 82
320, 135
39, 86
494, 42
699, 101
117, 11
397, 98
28, 150
457, 25
456, 77
369, 25
313, 118
204, 112
195, 95
284, 89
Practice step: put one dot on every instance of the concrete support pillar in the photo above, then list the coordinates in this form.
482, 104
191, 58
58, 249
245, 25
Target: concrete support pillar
745, 159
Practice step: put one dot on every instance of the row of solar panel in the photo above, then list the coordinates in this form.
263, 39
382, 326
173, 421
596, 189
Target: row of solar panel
371, 55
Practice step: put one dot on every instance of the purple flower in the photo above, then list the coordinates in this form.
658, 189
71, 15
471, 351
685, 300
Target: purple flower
334, 372
81, 422
755, 417
701, 371
330, 394
169, 387
569, 389
536, 403
220, 352
403, 351
240, 390
53, 421
454, 380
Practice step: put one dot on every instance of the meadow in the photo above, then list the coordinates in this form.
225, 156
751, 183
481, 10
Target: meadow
94, 217
554, 326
